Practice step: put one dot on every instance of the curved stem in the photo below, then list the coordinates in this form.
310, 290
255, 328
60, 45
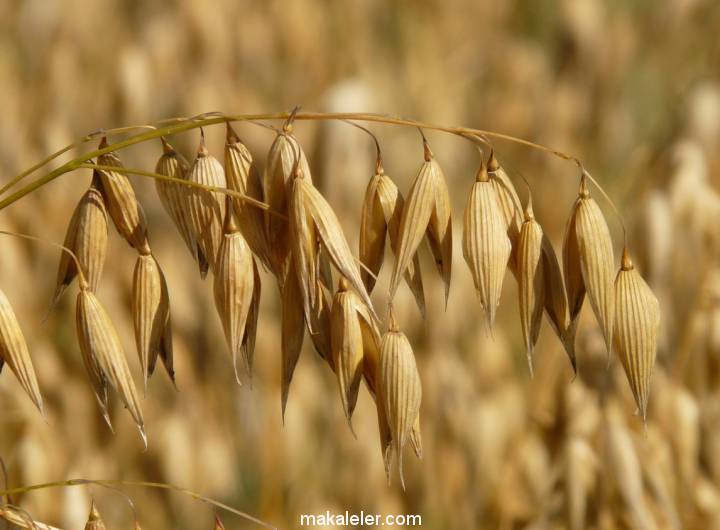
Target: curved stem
142, 484
177, 125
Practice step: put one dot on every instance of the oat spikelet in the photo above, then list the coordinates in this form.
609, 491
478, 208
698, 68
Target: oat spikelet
94, 521
293, 331
381, 213
104, 357
234, 287
248, 344
588, 260
635, 337
151, 316
486, 247
556, 300
401, 389
321, 326
311, 207
206, 208
304, 245
19, 518
242, 176
86, 236
14, 352
124, 209
284, 160
426, 211
509, 203
173, 196
348, 318
531, 280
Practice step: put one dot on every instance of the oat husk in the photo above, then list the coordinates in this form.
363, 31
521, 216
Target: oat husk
86, 237
122, 204
104, 356
206, 208
151, 316
426, 212
486, 246
509, 203
401, 389
242, 176
293, 332
380, 220
14, 352
234, 288
637, 322
531, 280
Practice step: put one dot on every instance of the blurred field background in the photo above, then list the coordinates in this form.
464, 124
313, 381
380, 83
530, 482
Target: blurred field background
631, 88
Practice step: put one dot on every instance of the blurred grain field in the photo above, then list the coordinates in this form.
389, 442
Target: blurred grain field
631, 88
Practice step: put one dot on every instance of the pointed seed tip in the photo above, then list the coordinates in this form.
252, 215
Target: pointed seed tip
493, 164
482, 174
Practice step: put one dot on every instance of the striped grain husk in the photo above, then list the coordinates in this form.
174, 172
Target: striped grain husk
242, 176
588, 263
293, 331
426, 212
86, 237
21, 519
151, 316
486, 246
14, 352
104, 357
637, 320
401, 389
122, 204
174, 196
284, 160
206, 208
531, 280
234, 287
380, 219
313, 223
509, 203
351, 329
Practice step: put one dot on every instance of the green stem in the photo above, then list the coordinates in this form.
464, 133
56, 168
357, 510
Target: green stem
178, 125
142, 484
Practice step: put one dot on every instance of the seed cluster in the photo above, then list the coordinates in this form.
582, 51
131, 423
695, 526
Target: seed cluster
323, 288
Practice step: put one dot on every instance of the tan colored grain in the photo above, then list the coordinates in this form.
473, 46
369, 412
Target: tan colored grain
206, 208
486, 247
104, 356
151, 315
86, 237
242, 176
637, 323
234, 288
122, 204
509, 203
531, 280
20, 519
401, 389
293, 331
14, 352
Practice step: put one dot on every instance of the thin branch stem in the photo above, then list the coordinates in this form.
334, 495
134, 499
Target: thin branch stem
141, 484
177, 125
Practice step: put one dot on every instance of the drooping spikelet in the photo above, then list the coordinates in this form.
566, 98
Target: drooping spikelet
426, 211
293, 330
313, 224
122, 205
637, 319
531, 280
206, 208
14, 352
351, 328
401, 389
234, 287
381, 213
486, 246
151, 316
284, 160
174, 196
588, 263
242, 176
86, 237
104, 357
